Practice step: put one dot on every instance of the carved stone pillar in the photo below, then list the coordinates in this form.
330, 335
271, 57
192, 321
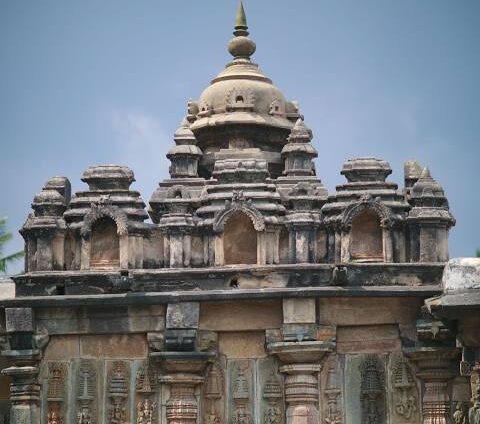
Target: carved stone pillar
182, 406
24, 389
183, 372
301, 393
302, 365
435, 372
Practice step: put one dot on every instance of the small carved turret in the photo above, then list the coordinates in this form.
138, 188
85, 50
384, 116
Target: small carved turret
429, 220
44, 230
298, 152
185, 155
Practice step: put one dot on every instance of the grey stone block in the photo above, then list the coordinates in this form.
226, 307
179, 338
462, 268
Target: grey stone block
19, 320
183, 315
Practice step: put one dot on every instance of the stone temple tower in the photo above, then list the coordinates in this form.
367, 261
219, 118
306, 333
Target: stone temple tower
245, 293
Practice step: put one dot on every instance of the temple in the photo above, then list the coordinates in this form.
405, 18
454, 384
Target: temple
244, 293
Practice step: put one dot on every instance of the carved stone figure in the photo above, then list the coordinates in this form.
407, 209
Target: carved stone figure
333, 413
405, 394
118, 394
146, 412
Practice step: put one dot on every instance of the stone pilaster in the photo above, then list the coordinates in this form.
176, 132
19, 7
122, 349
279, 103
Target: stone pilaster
301, 393
302, 364
24, 358
183, 372
435, 370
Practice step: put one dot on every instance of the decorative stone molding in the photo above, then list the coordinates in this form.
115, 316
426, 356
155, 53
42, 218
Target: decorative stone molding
56, 393
333, 413
238, 204
403, 389
435, 370
213, 395
240, 99
118, 393
241, 392
145, 386
365, 203
87, 394
372, 390
100, 210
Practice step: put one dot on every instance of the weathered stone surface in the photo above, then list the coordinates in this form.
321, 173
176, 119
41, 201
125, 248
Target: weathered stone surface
113, 346
62, 348
368, 311
461, 274
299, 311
241, 316
183, 315
368, 338
242, 344
19, 320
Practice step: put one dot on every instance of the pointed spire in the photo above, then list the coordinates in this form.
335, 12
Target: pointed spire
425, 174
241, 21
300, 133
241, 47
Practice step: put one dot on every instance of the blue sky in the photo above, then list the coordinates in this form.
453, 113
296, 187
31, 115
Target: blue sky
91, 82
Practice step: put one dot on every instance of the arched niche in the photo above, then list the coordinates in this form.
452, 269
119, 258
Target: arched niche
239, 240
366, 237
105, 244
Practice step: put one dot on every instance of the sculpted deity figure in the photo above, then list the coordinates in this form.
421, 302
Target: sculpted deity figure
145, 412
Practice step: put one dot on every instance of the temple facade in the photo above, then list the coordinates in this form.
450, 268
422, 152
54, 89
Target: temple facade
244, 293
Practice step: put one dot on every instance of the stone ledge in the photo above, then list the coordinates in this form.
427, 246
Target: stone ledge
218, 295
222, 278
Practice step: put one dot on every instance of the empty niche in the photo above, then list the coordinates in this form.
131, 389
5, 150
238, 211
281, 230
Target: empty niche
104, 250
283, 246
239, 240
70, 248
366, 240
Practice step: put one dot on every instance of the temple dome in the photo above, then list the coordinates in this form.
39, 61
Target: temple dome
241, 109
243, 88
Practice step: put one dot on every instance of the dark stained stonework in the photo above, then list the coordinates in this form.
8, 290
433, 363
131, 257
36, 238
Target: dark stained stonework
252, 295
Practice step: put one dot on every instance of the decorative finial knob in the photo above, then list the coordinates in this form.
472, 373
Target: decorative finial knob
241, 47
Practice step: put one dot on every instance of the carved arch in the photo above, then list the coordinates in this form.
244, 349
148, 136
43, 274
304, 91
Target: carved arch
367, 203
251, 211
100, 211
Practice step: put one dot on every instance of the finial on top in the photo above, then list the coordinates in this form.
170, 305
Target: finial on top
241, 47
241, 27
426, 174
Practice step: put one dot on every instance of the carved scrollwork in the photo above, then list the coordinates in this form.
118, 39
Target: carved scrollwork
367, 203
100, 210
238, 204
239, 98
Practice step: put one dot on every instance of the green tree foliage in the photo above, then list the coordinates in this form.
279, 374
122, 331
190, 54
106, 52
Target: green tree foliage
477, 254
5, 237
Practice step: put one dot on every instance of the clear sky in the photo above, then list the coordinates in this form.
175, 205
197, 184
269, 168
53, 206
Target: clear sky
91, 82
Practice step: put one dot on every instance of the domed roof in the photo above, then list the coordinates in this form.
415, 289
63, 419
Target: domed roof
244, 89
